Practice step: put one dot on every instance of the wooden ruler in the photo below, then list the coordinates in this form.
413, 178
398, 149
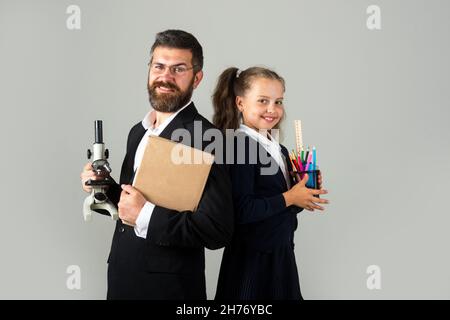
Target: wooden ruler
298, 135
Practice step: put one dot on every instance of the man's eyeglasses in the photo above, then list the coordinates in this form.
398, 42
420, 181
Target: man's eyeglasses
177, 70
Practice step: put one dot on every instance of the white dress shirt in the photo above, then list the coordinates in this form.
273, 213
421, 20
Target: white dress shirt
271, 146
148, 123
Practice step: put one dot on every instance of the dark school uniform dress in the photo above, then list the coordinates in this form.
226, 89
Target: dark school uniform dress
259, 264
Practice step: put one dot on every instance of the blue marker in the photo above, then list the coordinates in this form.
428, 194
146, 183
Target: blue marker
314, 158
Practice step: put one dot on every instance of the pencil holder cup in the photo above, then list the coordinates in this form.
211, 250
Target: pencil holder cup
313, 178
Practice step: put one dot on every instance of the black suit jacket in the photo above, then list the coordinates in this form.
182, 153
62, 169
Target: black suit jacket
170, 262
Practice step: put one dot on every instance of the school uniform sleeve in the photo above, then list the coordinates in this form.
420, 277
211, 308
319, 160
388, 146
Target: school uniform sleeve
249, 205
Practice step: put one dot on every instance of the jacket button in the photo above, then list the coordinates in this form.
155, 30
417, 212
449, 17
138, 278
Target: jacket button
121, 229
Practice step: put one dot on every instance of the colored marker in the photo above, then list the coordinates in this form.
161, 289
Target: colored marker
306, 155
306, 166
310, 159
314, 158
299, 162
294, 167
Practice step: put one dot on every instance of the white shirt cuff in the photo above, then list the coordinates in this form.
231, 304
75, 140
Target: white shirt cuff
143, 220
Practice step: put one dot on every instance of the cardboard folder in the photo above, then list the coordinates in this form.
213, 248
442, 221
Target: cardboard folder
173, 175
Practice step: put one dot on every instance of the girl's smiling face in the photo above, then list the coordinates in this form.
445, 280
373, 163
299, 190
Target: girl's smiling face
262, 104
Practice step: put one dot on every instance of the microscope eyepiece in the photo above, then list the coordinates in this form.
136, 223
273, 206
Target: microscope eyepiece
98, 131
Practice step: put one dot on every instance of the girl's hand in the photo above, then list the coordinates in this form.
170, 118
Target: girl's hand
296, 177
319, 178
303, 197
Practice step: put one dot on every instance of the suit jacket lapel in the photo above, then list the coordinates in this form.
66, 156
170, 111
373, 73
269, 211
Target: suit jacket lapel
186, 115
287, 161
127, 173
279, 174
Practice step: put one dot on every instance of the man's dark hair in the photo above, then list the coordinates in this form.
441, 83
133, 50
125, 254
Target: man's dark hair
179, 39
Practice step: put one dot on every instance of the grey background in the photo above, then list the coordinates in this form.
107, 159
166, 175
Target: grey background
374, 103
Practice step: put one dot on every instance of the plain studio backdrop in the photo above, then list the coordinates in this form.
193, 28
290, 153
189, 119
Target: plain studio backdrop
375, 103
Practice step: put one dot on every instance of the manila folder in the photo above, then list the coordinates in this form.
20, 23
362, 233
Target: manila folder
173, 175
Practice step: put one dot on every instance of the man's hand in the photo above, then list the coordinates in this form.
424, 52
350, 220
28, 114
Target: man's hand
87, 174
130, 204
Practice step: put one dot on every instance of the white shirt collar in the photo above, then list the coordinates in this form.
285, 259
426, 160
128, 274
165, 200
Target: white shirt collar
147, 122
264, 140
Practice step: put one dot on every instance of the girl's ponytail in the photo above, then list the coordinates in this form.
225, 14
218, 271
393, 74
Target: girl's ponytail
226, 114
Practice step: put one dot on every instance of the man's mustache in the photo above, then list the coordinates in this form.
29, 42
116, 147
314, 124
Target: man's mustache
168, 85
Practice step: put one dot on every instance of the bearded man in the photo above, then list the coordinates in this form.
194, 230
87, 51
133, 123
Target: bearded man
158, 253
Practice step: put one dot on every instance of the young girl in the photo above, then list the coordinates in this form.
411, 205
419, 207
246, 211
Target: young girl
259, 263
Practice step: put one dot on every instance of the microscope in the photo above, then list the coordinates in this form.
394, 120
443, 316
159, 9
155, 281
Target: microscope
98, 198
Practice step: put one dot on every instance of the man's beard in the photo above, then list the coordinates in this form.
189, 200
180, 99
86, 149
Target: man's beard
169, 102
